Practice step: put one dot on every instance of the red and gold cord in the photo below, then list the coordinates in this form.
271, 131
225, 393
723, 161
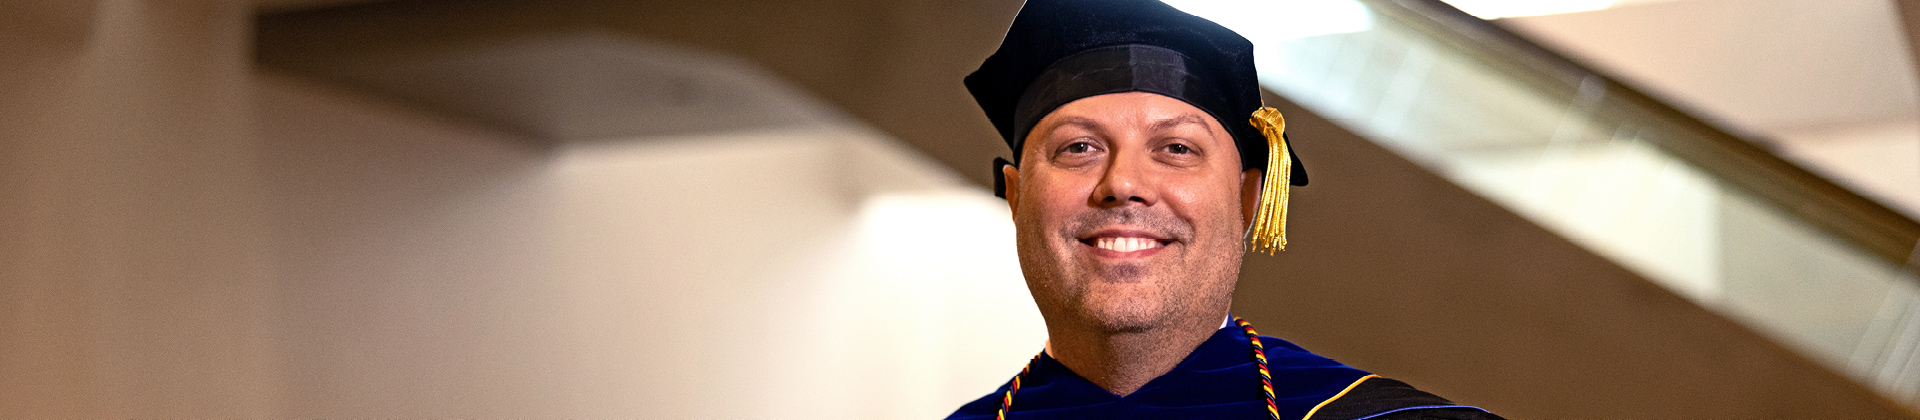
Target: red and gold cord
1260, 359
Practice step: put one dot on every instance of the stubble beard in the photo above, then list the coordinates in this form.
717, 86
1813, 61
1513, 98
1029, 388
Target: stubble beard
1121, 298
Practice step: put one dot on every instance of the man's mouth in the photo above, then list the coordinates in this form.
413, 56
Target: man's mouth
1124, 243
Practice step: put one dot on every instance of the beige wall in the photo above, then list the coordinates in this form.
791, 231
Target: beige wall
432, 268
189, 238
133, 260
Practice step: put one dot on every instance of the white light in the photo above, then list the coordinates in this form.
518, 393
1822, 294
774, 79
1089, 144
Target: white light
1276, 20
1495, 9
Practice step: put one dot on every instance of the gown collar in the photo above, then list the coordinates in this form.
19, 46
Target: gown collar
1219, 372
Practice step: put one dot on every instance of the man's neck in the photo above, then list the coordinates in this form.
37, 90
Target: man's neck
1121, 363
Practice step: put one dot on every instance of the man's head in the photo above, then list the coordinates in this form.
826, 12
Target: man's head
1130, 210
1135, 166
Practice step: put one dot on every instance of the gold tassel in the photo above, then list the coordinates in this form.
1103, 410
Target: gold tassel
1269, 230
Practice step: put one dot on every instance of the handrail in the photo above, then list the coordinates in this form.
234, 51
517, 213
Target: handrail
1868, 224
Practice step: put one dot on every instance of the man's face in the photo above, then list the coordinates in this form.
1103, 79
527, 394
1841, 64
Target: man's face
1128, 211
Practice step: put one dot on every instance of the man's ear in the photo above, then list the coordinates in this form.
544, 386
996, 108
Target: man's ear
1011, 176
1249, 194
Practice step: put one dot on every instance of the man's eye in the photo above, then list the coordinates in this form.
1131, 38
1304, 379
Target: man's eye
1178, 149
1080, 147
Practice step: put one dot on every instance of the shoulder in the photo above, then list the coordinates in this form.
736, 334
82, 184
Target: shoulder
1381, 398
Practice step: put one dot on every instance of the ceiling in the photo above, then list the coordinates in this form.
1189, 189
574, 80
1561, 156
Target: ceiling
1828, 84
1762, 65
583, 86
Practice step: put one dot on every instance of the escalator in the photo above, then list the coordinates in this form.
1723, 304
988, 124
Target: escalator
1707, 215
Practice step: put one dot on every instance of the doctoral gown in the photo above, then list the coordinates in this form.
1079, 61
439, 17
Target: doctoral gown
1220, 380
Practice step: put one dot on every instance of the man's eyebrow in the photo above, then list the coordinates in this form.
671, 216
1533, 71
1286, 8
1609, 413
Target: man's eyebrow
1183, 119
1161, 125
1081, 122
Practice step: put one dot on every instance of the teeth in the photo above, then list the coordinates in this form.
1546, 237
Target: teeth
1126, 244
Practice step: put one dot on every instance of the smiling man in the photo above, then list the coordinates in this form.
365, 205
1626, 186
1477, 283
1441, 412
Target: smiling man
1145, 167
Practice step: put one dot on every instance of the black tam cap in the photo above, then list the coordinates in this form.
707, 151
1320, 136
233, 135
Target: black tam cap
1059, 51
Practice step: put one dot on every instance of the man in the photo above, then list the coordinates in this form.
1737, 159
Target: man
1143, 159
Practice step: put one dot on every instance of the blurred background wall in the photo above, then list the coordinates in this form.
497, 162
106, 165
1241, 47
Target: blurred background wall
437, 269
136, 259
673, 209
192, 237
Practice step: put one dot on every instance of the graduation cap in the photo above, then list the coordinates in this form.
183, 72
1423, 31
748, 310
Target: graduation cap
1059, 51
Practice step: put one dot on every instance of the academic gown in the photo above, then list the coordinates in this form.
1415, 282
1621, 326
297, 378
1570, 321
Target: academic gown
1219, 380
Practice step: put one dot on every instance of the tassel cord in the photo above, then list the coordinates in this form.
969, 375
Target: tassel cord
1268, 232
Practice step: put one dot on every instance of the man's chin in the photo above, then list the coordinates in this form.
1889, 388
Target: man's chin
1123, 314
1121, 274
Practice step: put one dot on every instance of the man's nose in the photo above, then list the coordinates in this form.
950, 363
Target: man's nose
1125, 181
